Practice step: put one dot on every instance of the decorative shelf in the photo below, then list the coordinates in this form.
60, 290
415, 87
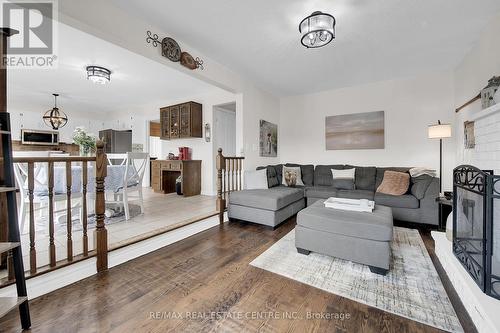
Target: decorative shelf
8, 304
486, 112
4, 247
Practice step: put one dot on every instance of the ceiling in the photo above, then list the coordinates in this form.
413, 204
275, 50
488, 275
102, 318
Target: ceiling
138, 84
376, 40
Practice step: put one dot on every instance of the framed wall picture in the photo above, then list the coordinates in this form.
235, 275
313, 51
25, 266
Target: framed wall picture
469, 138
355, 131
268, 140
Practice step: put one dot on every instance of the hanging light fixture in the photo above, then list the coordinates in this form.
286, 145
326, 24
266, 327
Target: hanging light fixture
98, 74
55, 118
317, 30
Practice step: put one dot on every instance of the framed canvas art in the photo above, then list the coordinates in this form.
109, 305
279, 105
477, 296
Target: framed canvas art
355, 131
268, 140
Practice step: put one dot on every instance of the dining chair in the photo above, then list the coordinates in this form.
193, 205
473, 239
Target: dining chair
133, 175
117, 158
40, 199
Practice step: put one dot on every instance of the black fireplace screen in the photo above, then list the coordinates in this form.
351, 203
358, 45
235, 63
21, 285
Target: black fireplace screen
476, 243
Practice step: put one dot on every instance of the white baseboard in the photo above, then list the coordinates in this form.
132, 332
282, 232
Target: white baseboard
45, 283
130, 252
483, 309
65, 276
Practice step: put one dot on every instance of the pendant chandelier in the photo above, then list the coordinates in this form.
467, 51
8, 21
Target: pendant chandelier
55, 118
317, 30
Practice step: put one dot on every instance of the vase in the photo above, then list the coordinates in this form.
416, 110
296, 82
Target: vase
85, 151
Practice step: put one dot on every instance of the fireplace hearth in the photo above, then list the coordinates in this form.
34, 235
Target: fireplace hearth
476, 234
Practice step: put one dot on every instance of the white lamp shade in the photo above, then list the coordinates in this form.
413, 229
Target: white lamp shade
439, 131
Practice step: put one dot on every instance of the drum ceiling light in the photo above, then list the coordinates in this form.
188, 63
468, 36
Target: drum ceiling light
98, 74
317, 30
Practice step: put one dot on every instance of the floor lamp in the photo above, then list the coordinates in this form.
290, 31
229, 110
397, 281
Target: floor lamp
440, 131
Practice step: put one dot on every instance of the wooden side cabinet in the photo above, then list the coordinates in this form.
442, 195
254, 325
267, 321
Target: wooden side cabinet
181, 121
165, 173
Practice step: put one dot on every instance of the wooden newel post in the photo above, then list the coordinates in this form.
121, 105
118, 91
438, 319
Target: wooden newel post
101, 234
221, 202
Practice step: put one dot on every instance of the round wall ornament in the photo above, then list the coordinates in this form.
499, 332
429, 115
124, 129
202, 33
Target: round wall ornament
170, 49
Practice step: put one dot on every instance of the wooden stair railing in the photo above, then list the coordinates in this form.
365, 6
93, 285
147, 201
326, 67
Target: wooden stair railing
229, 179
100, 234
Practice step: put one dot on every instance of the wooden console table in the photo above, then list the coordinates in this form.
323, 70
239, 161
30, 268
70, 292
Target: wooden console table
165, 172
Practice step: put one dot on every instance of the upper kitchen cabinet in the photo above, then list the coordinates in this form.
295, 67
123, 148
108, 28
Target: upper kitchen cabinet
181, 121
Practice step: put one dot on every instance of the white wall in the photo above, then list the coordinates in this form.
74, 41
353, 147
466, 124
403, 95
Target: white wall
472, 75
410, 105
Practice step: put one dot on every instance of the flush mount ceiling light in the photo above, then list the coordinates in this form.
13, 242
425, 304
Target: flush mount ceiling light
55, 118
317, 30
98, 74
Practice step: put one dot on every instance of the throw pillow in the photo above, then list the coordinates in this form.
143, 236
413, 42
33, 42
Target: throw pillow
292, 176
256, 180
343, 179
394, 183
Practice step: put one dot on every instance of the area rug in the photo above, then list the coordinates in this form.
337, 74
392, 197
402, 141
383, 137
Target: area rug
411, 288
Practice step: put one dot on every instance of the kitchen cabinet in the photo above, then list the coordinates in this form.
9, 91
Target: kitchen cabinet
181, 121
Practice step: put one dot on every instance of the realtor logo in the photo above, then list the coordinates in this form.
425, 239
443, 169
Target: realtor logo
34, 45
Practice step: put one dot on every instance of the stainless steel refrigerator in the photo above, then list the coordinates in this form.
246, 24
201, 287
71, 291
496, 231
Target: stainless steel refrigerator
116, 142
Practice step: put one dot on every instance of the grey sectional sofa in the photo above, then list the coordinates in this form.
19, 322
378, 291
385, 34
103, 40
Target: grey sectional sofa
278, 203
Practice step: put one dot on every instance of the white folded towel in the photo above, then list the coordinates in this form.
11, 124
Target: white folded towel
415, 172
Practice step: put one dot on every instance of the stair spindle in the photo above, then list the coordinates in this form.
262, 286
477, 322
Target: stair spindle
31, 188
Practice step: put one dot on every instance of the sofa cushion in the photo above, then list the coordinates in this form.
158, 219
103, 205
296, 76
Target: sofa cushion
273, 198
394, 183
381, 171
365, 177
322, 192
419, 185
355, 194
374, 226
323, 174
397, 201
307, 171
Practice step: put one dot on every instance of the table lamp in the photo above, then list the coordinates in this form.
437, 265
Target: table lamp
440, 131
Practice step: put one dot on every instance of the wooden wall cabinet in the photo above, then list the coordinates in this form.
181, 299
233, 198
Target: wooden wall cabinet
165, 172
181, 121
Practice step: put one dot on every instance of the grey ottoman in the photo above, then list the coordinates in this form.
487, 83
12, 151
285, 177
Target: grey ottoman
356, 236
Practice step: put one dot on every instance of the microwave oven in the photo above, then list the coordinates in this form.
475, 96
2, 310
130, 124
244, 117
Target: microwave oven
39, 137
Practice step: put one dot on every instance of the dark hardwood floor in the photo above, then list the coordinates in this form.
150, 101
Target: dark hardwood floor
210, 273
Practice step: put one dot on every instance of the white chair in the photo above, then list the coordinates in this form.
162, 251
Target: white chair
117, 159
135, 166
40, 173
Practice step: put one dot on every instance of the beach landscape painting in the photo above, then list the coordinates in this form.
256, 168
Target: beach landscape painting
355, 131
